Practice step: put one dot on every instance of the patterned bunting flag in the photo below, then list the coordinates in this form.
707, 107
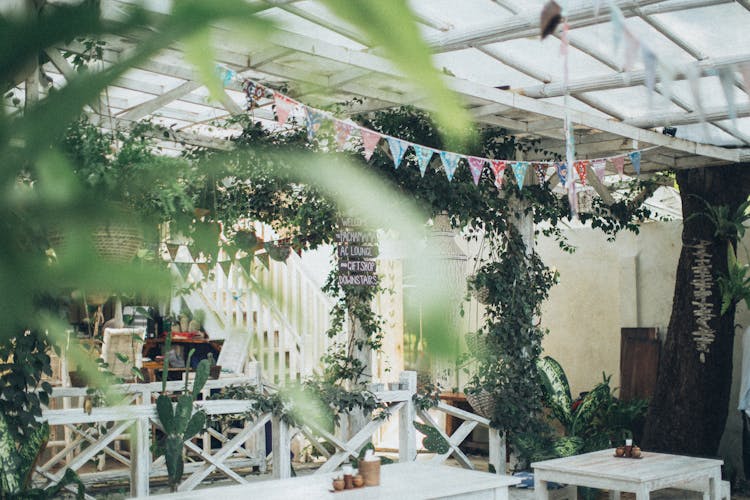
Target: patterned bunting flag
450, 162
370, 139
498, 168
540, 169
343, 131
562, 172
264, 259
519, 170
424, 155
203, 266
476, 165
619, 163
398, 148
284, 107
581, 167
254, 92
635, 159
313, 120
226, 75
599, 167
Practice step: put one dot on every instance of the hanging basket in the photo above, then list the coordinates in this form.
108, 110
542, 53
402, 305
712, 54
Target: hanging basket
279, 253
114, 242
481, 293
482, 402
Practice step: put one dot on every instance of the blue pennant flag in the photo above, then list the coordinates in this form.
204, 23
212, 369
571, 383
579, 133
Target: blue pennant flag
314, 120
398, 148
450, 162
635, 159
562, 172
519, 170
424, 155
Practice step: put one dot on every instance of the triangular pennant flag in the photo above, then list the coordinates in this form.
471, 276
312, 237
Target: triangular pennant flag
573, 200
631, 50
599, 167
498, 168
649, 65
726, 77
313, 120
581, 167
343, 131
635, 159
450, 162
562, 172
540, 169
370, 139
666, 78
694, 74
476, 165
618, 21
172, 249
424, 155
398, 148
264, 259
203, 266
226, 265
745, 71
619, 163
519, 170
183, 268
284, 107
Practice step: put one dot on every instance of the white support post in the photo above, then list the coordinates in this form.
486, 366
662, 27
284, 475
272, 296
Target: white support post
498, 457
140, 461
407, 434
282, 462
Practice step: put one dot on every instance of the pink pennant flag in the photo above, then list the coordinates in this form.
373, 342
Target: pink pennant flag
343, 131
581, 167
370, 139
284, 107
476, 165
498, 168
599, 167
619, 163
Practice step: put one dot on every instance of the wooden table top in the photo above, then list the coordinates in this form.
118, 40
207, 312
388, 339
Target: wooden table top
412, 480
604, 464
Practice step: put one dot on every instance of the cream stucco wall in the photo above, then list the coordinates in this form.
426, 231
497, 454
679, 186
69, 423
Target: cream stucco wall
605, 286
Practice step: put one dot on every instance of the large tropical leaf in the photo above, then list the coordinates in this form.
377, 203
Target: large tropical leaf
556, 389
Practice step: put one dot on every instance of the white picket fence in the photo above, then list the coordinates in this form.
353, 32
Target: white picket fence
281, 306
238, 446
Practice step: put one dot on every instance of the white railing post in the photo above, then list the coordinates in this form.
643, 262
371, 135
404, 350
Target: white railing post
497, 450
407, 434
282, 449
140, 460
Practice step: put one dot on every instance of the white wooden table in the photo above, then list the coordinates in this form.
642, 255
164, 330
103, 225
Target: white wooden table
655, 471
412, 480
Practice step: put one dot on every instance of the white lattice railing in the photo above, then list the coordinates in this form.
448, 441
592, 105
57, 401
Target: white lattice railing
228, 451
280, 305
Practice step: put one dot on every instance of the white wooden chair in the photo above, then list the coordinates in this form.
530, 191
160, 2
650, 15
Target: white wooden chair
235, 353
123, 341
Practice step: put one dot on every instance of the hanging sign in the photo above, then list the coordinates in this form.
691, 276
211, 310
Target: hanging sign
357, 251
355, 247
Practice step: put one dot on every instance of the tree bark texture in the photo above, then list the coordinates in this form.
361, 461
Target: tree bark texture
688, 411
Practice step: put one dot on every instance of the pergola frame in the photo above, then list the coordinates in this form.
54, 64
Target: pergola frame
291, 58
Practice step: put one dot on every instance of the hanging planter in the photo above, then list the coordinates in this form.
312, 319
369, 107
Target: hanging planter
277, 252
482, 402
479, 291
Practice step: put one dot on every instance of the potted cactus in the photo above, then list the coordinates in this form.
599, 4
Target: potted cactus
178, 419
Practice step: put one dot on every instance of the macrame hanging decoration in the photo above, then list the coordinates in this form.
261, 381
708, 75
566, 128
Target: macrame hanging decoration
703, 309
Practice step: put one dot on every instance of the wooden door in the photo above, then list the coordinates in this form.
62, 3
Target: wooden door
639, 362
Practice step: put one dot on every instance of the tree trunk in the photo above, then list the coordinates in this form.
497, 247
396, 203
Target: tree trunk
689, 407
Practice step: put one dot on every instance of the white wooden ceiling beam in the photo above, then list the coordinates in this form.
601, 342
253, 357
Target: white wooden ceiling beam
711, 114
672, 36
525, 25
148, 107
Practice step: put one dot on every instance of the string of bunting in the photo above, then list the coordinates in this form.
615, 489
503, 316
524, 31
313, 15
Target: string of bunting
345, 130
